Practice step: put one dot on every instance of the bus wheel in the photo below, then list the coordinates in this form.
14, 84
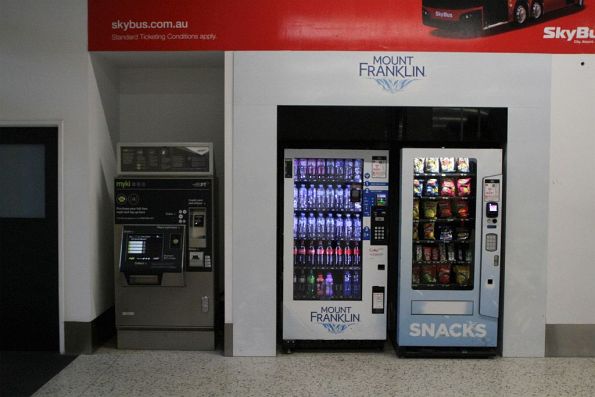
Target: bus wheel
520, 13
536, 10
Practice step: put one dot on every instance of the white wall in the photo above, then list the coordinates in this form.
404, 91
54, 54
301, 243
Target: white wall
264, 80
571, 265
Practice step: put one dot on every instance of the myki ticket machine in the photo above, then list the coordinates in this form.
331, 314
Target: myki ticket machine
164, 246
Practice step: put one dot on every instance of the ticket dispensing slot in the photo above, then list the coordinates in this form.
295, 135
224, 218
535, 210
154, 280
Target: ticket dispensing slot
197, 239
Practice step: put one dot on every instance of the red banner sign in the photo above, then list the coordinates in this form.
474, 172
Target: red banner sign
523, 26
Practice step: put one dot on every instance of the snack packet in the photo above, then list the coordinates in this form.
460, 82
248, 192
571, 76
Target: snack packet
462, 274
464, 186
450, 252
445, 233
432, 165
462, 233
447, 188
435, 254
431, 189
447, 164
415, 275
419, 256
430, 209
427, 253
418, 165
415, 231
444, 273
418, 187
415, 209
428, 274
442, 252
429, 231
463, 164
444, 209
462, 208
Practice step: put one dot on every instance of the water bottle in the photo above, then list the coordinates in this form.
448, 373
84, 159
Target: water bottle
303, 169
310, 254
348, 227
295, 226
339, 228
357, 256
301, 254
311, 227
302, 281
339, 255
340, 168
348, 252
311, 282
320, 168
295, 197
328, 283
296, 169
357, 228
356, 286
303, 197
347, 198
329, 255
330, 169
319, 254
320, 196
347, 284
312, 169
339, 198
329, 200
320, 285
357, 170
348, 170
330, 227
311, 203
320, 226
295, 253
302, 226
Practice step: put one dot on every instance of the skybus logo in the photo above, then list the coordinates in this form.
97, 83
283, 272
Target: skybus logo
579, 33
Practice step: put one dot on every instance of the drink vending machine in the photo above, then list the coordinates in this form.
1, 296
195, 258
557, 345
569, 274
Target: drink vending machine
164, 246
450, 251
335, 245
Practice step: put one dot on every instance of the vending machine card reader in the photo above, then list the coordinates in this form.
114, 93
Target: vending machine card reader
164, 247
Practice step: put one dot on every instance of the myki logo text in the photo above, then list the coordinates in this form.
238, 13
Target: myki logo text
581, 32
123, 184
335, 319
455, 330
393, 73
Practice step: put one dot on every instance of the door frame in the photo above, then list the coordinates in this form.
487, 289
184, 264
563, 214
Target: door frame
59, 124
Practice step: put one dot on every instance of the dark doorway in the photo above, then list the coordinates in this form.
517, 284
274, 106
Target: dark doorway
29, 305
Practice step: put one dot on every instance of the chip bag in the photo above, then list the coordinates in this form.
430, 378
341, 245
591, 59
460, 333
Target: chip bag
462, 208
415, 275
447, 164
431, 189
464, 186
435, 254
432, 165
427, 253
429, 231
463, 164
428, 274
444, 209
445, 233
415, 231
430, 209
447, 188
418, 187
415, 209
419, 256
462, 233
444, 273
462, 274
418, 165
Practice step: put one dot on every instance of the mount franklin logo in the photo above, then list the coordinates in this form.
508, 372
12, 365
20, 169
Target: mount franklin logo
335, 319
393, 73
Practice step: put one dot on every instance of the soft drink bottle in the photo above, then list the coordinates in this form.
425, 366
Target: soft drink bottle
312, 169
340, 168
347, 199
328, 282
348, 170
329, 202
295, 197
320, 197
329, 254
311, 228
320, 285
347, 284
339, 228
355, 284
302, 281
339, 198
303, 197
320, 254
320, 226
330, 227
348, 227
330, 169
311, 203
320, 168
339, 255
301, 253
357, 228
357, 170
303, 169
302, 226
348, 253
295, 226
310, 254
357, 256
311, 283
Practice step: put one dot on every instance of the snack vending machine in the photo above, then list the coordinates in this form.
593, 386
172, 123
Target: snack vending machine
335, 245
164, 246
450, 251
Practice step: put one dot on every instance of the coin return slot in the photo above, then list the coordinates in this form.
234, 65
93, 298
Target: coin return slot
490, 281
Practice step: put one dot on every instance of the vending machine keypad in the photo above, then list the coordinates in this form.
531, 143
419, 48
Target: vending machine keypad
379, 226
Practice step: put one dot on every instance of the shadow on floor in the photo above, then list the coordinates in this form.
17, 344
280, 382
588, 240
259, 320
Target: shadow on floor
22, 373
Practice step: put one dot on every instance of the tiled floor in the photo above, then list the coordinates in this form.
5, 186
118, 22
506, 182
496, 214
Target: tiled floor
111, 372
